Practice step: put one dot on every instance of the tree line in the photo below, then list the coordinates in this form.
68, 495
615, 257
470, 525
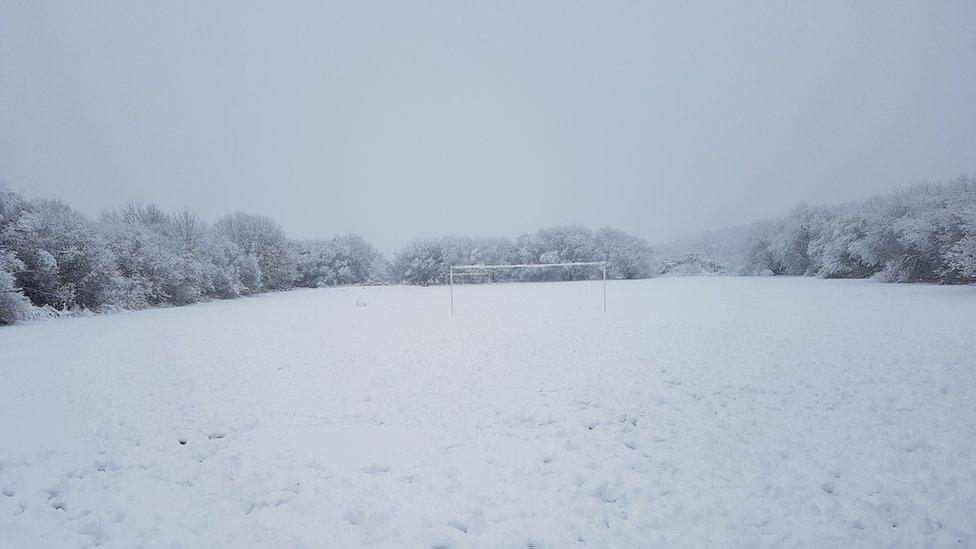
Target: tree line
923, 233
428, 261
54, 260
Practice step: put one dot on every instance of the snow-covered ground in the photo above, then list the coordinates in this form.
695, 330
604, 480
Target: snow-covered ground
721, 411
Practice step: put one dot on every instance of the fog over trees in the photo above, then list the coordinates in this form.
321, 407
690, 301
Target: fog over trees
55, 260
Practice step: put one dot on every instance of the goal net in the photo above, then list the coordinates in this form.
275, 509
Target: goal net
485, 273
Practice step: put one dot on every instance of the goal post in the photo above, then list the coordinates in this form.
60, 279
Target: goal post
461, 271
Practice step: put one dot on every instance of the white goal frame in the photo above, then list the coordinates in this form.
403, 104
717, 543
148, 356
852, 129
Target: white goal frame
482, 270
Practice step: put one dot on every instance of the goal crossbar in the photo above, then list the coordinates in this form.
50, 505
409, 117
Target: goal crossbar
530, 265
473, 270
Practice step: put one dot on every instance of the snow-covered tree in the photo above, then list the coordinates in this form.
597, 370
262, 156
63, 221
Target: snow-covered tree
67, 263
962, 255
692, 265
911, 233
918, 234
343, 259
421, 262
380, 272
627, 256
12, 205
262, 238
14, 305
559, 244
149, 256
140, 256
175, 259
762, 252
428, 261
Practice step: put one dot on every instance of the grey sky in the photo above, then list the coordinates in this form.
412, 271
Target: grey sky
406, 119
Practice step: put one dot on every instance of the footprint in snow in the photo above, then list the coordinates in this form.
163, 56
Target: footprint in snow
353, 517
106, 466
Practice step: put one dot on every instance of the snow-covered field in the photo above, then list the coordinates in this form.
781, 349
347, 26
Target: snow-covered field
720, 411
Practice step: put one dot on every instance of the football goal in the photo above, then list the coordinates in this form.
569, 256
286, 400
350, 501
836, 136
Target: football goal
461, 272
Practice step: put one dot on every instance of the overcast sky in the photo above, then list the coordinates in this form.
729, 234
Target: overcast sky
405, 119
